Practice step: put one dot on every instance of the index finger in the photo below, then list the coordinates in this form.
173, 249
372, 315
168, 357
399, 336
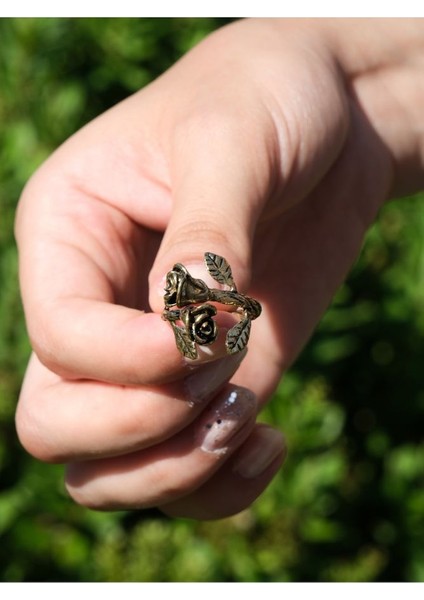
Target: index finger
84, 280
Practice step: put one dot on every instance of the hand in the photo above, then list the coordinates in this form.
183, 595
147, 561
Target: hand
273, 143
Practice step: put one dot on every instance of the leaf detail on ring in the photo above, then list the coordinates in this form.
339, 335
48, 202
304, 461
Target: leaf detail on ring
184, 342
238, 336
219, 269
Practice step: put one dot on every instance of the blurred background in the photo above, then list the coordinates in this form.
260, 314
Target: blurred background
349, 504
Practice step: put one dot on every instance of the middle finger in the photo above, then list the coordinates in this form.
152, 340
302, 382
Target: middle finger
61, 420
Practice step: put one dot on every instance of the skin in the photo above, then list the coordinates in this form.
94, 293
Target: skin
273, 143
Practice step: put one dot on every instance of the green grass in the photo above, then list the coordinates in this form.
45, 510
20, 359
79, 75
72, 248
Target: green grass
349, 504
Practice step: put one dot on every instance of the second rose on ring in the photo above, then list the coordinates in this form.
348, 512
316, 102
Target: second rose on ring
199, 323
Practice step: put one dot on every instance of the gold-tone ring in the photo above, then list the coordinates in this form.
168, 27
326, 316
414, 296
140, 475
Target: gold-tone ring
188, 310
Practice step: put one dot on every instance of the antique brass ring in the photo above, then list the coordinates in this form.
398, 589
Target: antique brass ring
188, 310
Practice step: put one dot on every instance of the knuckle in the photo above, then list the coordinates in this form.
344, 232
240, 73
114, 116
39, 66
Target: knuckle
80, 497
46, 337
201, 226
79, 486
198, 232
31, 432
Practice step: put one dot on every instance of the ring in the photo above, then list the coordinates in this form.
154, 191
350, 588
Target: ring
188, 311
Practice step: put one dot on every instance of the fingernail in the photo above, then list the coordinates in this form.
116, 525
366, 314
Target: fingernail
225, 418
266, 446
209, 378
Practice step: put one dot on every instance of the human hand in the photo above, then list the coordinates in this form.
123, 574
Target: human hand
271, 144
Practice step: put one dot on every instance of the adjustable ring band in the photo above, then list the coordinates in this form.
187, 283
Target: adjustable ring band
188, 311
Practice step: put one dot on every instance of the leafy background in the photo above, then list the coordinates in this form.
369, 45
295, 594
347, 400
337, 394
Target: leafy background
349, 504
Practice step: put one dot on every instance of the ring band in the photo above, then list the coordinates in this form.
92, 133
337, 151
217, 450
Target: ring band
188, 311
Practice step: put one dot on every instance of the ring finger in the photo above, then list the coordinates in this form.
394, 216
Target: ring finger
168, 471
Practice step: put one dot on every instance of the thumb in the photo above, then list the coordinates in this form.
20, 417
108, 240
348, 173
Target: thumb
219, 190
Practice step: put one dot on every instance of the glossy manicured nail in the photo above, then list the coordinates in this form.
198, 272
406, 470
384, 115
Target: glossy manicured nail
225, 418
264, 448
207, 379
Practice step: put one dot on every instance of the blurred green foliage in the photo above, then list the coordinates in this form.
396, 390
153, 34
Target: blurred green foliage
349, 504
